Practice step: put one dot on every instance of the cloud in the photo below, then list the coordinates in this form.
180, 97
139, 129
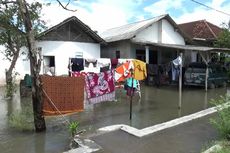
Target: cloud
99, 15
162, 6
104, 14
200, 13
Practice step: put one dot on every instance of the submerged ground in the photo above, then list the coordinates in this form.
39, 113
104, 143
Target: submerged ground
156, 105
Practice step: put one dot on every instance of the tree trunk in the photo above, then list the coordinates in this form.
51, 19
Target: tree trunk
35, 64
9, 77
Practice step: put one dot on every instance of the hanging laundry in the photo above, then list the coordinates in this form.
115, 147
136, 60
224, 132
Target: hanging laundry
131, 86
105, 68
78, 74
177, 61
123, 71
104, 64
77, 64
62, 95
140, 72
100, 86
92, 61
175, 68
91, 66
114, 62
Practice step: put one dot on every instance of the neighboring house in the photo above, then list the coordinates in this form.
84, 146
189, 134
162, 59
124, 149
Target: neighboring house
201, 32
131, 41
68, 39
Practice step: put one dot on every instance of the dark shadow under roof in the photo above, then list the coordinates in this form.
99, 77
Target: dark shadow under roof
85, 27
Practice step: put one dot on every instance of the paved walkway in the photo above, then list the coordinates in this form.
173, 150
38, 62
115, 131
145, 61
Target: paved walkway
190, 137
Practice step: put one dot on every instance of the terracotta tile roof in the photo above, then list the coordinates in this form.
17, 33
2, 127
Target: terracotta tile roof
200, 29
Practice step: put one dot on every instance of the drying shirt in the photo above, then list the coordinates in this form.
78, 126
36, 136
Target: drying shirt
77, 64
88, 61
140, 72
129, 82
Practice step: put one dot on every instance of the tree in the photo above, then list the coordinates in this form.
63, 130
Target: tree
23, 18
35, 65
13, 36
223, 39
29, 27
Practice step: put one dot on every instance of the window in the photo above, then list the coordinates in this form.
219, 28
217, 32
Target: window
49, 64
118, 54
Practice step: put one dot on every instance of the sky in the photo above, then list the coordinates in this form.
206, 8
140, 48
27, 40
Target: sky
100, 15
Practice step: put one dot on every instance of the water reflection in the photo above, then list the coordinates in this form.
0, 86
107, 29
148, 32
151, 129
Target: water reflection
157, 105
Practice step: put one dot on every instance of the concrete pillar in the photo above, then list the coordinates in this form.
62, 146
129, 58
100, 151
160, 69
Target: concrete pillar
147, 54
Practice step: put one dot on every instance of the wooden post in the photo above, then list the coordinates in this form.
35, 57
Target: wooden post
180, 82
206, 78
131, 98
206, 75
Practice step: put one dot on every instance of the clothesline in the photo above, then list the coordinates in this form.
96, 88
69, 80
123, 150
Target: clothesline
52, 103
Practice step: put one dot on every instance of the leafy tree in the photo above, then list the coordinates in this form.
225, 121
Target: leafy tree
13, 36
223, 39
21, 22
26, 14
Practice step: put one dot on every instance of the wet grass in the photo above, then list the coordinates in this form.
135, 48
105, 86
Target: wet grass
225, 147
22, 120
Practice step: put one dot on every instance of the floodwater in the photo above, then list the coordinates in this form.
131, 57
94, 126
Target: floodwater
156, 105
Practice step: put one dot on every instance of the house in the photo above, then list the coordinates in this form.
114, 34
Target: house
130, 41
201, 32
68, 39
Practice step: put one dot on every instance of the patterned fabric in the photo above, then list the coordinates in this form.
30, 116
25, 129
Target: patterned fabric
123, 71
62, 95
100, 86
78, 74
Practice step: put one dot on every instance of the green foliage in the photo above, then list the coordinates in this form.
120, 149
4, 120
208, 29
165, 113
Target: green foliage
223, 39
11, 88
73, 127
222, 121
14, 36
22, 120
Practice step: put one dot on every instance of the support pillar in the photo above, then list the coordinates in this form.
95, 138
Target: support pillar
147, 54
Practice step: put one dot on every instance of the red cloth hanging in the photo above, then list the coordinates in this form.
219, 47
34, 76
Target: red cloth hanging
66, 93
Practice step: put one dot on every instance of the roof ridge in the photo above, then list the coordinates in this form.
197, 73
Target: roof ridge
192, 22
163, 15
210, 29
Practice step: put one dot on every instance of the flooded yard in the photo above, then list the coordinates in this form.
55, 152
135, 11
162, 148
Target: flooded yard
156, 105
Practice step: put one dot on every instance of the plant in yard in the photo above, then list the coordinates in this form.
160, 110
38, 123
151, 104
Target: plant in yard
73, 127
11, 87
22, 119
222, 121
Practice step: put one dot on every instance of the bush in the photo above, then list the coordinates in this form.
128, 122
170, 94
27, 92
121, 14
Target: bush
222, 121
22, 120
73, 127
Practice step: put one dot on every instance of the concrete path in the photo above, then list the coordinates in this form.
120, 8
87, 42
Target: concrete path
190, 137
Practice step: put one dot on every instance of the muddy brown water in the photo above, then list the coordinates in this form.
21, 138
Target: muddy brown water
156, 105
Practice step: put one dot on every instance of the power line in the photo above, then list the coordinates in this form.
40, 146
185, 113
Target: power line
210, 7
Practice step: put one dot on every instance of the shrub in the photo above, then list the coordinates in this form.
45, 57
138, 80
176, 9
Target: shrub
22, 120
222, 121
73, 127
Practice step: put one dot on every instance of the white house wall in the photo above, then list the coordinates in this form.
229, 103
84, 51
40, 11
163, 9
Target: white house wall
65, 50
123, 46
170, 34
4, 64
60, 49
149, 34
